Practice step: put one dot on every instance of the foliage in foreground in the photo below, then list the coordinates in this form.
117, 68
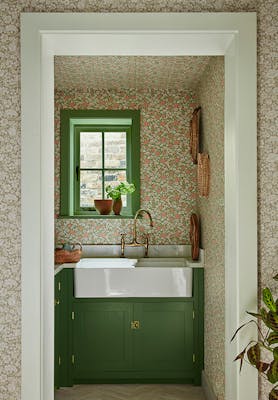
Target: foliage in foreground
255, 352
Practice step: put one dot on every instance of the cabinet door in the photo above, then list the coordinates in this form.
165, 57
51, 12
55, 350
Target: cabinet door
101, 338
62, 357
163, 343
57, 341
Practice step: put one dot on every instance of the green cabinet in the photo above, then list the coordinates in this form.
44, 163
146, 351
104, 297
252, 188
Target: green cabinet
62, 327
163, 344
133, 340
57, 339
102, 339
128, 339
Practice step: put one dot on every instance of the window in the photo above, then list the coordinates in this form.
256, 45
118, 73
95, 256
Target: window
98, 148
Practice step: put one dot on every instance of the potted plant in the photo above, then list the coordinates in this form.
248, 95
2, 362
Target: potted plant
116, 193
266, 347
104, 206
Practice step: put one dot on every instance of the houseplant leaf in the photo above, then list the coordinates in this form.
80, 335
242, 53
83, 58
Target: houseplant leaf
261, 366
272, 321
263, 313
253, 354
240, 357
272, 338
259, 316
273, 395
272, 373
238, 329
275, 354
268, 299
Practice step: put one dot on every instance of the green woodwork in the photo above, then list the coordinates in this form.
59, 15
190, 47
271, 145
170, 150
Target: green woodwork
102, 339
99, 344
72, 122
63, 328
198, 343
57, 336
164, 341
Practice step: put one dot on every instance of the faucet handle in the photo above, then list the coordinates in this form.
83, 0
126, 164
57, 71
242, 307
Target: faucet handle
123, 235
147, 236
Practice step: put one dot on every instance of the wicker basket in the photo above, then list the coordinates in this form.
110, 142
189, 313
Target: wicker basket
194, 134
68, 256
194, 236
203, 174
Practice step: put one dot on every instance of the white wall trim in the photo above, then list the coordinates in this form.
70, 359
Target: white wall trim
45, 35
209, 393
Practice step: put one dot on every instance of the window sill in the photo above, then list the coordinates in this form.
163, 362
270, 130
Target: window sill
96, 216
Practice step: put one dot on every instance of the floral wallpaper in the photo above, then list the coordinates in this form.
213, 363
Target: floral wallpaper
10, 149
132, 72
211, 212
168, 179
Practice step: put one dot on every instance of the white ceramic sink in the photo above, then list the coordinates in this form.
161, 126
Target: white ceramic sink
107, 263
121, 277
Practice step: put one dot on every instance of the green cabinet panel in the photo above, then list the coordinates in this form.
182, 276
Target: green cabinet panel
133, 340
128, 339
164, 339
62, 326
101, 338
57, 338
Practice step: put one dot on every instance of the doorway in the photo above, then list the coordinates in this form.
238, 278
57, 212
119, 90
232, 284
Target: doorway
46, 35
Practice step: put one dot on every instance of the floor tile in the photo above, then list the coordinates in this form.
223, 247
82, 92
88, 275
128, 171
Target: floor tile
130, 392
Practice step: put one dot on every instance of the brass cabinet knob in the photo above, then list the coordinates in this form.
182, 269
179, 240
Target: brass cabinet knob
135, 324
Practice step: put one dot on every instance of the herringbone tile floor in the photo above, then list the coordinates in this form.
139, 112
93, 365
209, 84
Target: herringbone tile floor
130, 392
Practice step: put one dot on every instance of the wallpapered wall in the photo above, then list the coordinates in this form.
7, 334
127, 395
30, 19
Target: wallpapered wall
168, 183
211, 211
10, 235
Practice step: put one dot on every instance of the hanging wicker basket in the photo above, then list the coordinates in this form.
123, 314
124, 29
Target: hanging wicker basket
68, 256
194, 236
194, 134
203, 174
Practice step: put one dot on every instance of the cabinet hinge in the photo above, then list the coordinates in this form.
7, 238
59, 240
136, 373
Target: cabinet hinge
72, 315
193, 314
59, 286
59, 360
193, 358
72, 358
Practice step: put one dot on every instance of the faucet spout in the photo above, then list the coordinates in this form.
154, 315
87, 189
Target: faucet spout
140, 211
135, 242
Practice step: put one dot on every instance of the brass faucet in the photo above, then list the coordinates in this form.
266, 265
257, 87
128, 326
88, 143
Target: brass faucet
135, 242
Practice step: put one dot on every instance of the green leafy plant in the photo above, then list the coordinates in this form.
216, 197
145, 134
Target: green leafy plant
116, 192
267, 344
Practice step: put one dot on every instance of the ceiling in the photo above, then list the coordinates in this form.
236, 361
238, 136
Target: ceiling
129, 72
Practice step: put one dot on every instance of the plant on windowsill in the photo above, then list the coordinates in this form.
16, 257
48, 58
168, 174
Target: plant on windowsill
116, 193
103, 206
266, 347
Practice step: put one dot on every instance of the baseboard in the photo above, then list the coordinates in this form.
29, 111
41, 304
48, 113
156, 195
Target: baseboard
209, 393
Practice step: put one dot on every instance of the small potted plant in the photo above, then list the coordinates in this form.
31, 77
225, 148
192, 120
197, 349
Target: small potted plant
103, 206
116, 193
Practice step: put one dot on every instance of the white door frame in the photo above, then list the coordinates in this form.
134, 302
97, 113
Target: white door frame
44, 35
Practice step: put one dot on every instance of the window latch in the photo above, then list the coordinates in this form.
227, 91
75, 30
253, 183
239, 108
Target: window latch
77, 172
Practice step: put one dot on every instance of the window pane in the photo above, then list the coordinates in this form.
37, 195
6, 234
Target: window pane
90, 150
113, 178
90, 187
115, 149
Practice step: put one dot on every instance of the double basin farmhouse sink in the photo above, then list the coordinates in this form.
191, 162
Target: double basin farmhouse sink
131, 277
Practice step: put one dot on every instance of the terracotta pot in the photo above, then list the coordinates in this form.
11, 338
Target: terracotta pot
104, 206
117, 206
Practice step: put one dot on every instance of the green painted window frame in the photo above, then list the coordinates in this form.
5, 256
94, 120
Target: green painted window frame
74, 121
